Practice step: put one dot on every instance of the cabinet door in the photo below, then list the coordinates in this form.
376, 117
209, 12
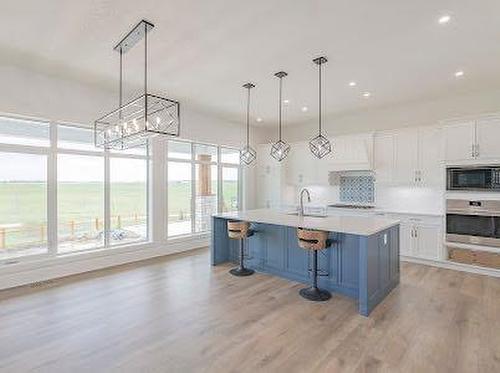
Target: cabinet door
406, 239
459, 139
431, 167
384, 158
429, 241
406, 156
275, 247
300, 166
487, 135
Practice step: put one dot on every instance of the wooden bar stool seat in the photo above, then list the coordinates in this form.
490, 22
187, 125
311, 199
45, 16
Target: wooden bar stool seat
313, 241
240, 230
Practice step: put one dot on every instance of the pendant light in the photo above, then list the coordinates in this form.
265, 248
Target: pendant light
132, 124
247, 153
320, 145
280, 149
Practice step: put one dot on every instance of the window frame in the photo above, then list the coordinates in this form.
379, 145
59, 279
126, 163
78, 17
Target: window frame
51, 152
193, 161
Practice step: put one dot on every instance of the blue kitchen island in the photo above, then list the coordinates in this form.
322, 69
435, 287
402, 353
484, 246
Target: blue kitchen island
362, 261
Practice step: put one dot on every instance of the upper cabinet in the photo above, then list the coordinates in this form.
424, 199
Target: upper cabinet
473, 140
409, 157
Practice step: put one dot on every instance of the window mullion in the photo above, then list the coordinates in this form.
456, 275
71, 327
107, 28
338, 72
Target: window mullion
193, 190
107, 199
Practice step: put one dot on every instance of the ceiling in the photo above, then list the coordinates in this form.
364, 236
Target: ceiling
201, 52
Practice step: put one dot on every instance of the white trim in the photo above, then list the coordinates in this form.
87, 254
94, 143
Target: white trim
65, 265
452, 265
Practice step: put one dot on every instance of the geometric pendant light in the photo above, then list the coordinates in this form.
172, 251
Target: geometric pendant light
320, 146
132, 124
247, 153
280, 149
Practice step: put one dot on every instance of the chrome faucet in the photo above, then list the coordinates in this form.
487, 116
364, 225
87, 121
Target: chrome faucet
302, 192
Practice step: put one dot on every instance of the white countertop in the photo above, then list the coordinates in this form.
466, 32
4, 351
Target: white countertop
359, 225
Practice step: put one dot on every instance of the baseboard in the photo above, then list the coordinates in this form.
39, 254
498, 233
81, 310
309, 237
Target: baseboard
57, 267
455, 266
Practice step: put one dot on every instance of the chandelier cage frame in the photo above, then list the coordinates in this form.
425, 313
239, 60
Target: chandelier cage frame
132, 124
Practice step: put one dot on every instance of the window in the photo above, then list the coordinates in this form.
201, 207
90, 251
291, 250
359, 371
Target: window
23, 204
179, 198
129, 196
24, 132
80, 197
194, 185
230, 200
60, 194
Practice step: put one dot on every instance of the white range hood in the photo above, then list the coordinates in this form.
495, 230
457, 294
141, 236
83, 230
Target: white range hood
351, 153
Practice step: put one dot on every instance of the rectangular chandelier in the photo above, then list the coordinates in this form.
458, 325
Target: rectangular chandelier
134, 123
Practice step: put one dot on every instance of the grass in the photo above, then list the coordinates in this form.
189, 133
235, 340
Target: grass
82, 203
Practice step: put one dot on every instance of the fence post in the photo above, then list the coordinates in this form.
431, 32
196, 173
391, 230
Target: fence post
42, 232
3, 237
97, 224
119, 222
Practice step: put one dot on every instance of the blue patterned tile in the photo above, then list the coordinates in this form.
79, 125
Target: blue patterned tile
357, 189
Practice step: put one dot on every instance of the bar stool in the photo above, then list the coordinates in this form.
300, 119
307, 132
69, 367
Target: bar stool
313, 240
240, 230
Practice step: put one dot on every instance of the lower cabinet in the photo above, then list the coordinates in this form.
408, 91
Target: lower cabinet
421, 237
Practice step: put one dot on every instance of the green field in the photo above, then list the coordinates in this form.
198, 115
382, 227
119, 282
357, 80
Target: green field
23, 211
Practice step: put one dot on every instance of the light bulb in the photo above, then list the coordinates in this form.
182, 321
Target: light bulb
117, 128
158, 120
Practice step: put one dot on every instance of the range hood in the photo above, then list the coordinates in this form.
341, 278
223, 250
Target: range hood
352, 153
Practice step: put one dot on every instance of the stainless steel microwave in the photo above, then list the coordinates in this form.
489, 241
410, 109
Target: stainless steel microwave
480, 178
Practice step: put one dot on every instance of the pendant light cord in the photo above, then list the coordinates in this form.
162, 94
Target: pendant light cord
145, 75
319, 67
281, 109
120, 99
248, 117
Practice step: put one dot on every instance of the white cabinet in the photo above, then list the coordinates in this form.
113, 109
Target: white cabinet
383, 162
459, 141
420, 236
428, 241
487, 136
473, 140
269, 183
410, 157
301, 166
406, 156
430, 170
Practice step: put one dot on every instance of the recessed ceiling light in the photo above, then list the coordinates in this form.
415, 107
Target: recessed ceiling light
444, 19
304, 109
366, 94
352, 84
259, 119
286, 101
459, 74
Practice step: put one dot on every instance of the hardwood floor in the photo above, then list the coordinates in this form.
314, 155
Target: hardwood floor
178, 314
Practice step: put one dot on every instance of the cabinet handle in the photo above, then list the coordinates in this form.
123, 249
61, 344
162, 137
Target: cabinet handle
473, 151
477, 150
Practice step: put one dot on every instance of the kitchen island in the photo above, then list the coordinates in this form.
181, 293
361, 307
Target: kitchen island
362, 261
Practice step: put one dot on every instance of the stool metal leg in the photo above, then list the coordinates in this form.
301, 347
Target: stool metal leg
314, 293
241, 270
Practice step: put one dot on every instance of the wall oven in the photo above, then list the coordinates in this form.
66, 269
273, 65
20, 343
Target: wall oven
480, 178
473, 222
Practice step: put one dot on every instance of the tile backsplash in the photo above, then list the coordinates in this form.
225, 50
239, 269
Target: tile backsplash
357, 189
